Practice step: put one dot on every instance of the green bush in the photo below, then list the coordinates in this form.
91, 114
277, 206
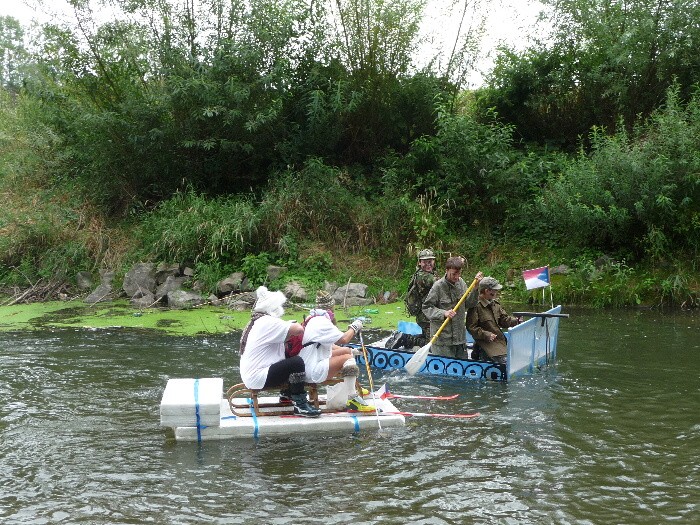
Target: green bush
191, 227
634, 193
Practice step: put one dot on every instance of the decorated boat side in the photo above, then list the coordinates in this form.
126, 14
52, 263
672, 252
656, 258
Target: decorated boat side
531, 345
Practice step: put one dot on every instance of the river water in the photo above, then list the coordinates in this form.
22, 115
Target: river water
610, 435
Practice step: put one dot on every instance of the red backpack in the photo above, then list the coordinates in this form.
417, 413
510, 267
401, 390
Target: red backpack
293, 345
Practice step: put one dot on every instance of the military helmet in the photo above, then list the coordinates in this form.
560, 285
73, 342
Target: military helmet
426, 254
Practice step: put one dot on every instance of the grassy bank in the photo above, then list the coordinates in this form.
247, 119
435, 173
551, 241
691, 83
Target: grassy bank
205, 320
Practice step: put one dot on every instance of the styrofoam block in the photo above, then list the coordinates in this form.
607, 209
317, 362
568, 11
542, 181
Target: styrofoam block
245, 427
188, 402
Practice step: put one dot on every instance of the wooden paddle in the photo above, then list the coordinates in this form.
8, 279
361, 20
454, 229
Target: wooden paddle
416, 362
371, 382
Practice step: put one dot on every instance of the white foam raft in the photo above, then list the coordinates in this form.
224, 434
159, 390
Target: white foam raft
197, 410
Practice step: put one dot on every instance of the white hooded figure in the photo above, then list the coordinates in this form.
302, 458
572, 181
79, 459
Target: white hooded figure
320, 335
269, 302
317, 347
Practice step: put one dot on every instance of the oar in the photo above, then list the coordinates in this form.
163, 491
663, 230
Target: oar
371, 382
416, 362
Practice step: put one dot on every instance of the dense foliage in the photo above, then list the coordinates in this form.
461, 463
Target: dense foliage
606, 62
230, 135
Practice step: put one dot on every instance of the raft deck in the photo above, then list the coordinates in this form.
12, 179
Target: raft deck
197, 410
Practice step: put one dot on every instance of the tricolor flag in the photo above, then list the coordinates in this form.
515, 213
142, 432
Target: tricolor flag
536, 278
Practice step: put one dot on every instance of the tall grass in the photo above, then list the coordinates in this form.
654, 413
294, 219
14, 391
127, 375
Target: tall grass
191, 227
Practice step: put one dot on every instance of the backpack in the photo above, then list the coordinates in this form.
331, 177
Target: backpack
414, 302
293, 345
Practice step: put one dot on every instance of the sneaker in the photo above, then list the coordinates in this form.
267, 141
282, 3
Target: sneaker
303, 408
358, 405
394, 340
306, 410
285, 398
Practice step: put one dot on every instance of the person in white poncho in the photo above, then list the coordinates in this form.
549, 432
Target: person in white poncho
324, 360
263, 363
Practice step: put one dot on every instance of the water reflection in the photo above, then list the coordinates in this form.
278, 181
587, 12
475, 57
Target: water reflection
610, 435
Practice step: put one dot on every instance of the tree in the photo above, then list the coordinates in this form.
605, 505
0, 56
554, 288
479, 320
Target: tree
605, 59
12, 53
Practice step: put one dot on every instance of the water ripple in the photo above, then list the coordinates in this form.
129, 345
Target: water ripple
586, 442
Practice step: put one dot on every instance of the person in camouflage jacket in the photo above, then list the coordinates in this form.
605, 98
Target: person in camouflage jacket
487, 320
422, 281
439, 304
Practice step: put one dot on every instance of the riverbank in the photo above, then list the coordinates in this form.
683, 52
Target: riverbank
202, 320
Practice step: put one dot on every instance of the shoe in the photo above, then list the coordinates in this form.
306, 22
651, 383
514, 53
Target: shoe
358, 405
285, 399
365, 392
394, 340
303, 408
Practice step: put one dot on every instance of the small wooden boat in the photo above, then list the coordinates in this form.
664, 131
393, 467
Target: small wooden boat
531, 345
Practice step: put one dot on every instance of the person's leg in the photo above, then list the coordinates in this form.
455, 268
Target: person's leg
461, 351
291, 371
442, 350
423, 339
335, 363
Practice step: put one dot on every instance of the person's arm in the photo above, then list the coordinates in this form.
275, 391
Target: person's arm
478, 333
353, 329
507, 321
430, 304
473, 297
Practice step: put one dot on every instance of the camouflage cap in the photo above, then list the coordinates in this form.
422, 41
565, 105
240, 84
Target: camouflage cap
426, 254
489, 283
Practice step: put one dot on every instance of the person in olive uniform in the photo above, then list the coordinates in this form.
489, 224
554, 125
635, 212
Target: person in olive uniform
439, 304
423, 280
486, 322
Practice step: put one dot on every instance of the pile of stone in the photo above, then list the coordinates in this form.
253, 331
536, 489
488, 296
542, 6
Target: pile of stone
148, 285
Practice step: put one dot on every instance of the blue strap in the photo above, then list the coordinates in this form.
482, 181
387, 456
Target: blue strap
196, 410
255, 418
357, 423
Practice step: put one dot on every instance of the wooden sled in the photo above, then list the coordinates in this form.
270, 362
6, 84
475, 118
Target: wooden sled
240, 398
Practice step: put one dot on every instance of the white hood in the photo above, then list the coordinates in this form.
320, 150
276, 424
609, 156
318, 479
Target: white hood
321, 330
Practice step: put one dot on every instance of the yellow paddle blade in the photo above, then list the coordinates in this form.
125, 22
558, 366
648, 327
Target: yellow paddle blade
418, 360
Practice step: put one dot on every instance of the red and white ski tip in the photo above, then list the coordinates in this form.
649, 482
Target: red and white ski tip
384, 393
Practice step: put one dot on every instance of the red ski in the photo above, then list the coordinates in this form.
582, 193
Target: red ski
425, 414
383, 393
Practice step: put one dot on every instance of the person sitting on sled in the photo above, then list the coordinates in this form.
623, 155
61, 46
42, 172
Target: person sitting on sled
325, 360
263, 363
324, 307
326, 303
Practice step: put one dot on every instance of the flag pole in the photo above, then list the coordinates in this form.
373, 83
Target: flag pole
551, 297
